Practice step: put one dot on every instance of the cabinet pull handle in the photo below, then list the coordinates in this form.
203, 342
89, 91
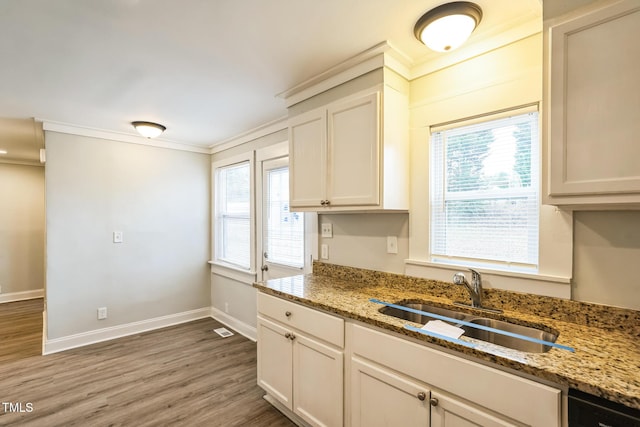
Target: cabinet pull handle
287, 313
422, 395
433, 401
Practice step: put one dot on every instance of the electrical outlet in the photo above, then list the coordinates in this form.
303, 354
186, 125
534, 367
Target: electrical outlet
118, 237
102, 313
392, 244
326, 230
324, 251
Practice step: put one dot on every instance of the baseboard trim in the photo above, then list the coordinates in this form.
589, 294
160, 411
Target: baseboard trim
20, 296
105, 334
237, 325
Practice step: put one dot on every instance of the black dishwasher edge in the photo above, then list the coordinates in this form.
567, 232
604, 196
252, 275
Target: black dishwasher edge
586, 410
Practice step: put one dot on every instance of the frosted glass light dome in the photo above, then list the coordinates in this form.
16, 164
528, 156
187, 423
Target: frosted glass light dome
148, 129
448, 26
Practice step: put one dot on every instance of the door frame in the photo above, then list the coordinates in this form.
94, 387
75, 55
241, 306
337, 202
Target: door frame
274, 152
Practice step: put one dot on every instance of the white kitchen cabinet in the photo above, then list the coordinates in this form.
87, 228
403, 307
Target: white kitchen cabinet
300, 360
382, 398
447, 411
351, 154
593, 106
458, 392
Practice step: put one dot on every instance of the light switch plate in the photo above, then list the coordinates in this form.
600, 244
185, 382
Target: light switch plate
117, 237
326, 230
392, 244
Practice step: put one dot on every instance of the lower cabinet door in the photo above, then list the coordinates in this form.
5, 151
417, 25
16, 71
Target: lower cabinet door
447, 411
317, 382
275, 361
379, 397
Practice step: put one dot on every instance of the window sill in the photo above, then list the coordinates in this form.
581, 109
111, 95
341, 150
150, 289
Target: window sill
233, 272
539, 284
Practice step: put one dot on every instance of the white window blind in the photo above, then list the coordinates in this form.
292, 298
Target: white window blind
484, 193
233, 215
284, 234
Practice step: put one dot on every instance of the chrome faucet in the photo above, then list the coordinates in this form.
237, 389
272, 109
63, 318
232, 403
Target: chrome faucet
475, 288
475, 291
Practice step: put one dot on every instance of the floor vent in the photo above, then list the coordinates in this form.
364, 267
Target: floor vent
223, 332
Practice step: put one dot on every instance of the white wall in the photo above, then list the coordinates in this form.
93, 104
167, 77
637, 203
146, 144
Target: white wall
360, 240
159, 199
606, 258
21, 230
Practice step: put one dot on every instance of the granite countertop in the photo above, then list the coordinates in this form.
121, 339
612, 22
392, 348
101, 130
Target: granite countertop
606, 361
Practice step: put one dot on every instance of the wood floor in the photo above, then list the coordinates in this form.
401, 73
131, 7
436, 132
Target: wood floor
20, 329
185, 375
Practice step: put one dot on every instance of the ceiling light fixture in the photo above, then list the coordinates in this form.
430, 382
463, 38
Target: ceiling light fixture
3, 151
148, 129
447, 26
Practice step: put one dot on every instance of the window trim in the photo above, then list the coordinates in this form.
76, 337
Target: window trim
460, 261
219, 266
556, 226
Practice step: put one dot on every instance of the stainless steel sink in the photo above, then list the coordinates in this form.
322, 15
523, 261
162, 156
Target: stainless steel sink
480, 334
507, 341
420, 318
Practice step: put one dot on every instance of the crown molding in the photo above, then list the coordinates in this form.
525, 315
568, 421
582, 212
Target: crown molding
381, 55
255, 133
72, 129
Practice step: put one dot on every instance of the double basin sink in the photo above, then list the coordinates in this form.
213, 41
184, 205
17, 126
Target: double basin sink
480, 334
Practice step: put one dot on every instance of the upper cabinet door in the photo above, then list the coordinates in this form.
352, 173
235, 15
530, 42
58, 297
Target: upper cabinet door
594, 106
308, 159
354, 152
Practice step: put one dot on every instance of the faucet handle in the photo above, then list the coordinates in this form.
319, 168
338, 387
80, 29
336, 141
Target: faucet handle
459, 279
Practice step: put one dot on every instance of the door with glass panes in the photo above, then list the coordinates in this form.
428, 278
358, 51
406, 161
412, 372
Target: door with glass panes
283, 241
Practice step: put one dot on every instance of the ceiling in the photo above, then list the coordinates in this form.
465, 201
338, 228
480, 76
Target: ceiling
208, 70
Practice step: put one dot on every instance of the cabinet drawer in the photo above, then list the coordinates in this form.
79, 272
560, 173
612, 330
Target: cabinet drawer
490, 388
321, 325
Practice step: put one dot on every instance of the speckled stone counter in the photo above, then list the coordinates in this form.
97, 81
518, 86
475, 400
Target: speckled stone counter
606, 361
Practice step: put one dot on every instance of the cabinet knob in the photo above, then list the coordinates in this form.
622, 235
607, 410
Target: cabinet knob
287, 313
433, 401
287, 335
422, 395
323, 202
327, 202
292, 337
264, 268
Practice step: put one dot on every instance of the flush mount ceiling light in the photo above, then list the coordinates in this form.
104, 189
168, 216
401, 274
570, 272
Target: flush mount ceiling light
447, 26
148, 129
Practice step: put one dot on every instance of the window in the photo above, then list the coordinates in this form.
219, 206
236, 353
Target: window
233, 214
484, 192
284, 230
